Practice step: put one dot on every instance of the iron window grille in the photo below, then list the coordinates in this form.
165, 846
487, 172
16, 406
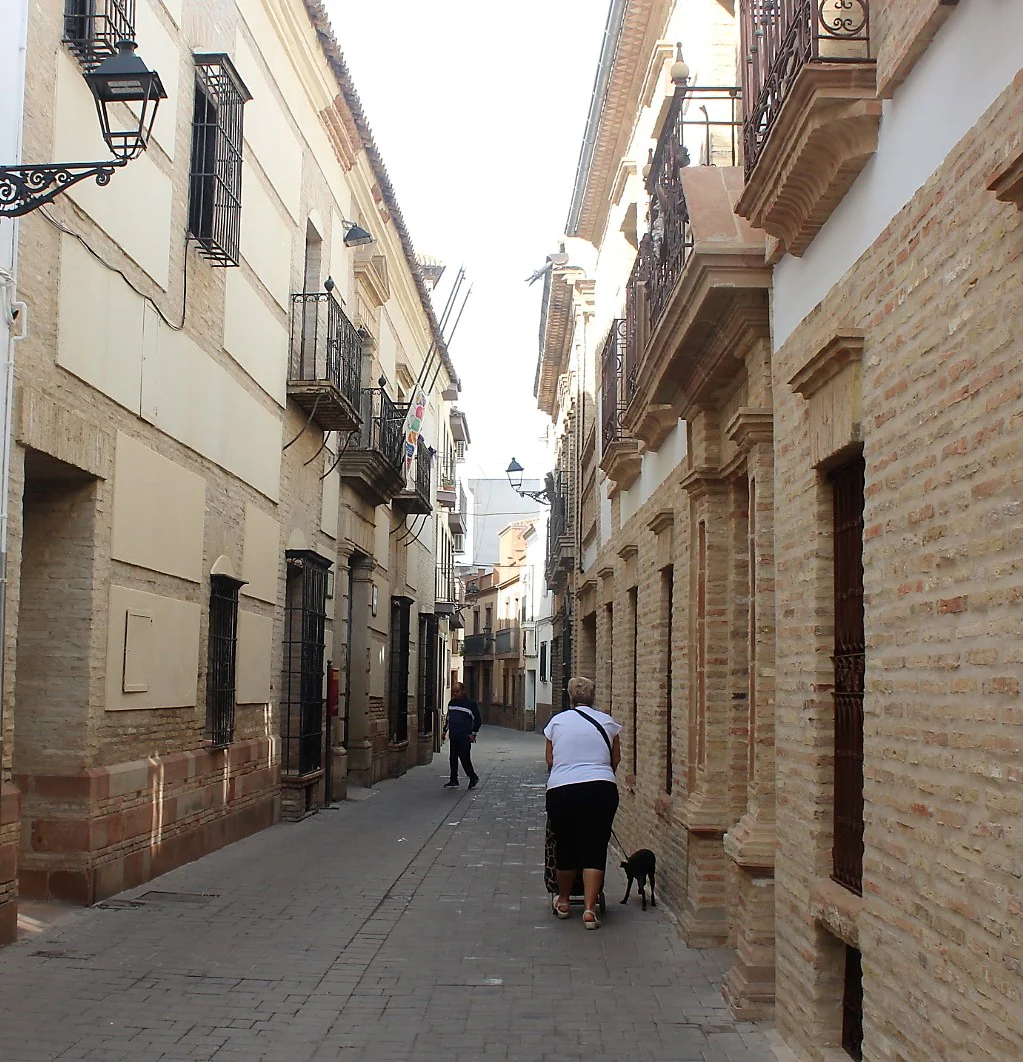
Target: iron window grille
429, 648
223, 651
215, 181
543, 661
92, 28
852, 1004
305, 617
398, 671
850, 663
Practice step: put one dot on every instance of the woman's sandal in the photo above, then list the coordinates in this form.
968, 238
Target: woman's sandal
561, 912
592, 922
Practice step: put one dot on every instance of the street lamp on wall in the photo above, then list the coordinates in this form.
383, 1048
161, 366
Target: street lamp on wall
356, 235
122, 78
514, 473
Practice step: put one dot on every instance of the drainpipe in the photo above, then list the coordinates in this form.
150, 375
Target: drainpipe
13, 313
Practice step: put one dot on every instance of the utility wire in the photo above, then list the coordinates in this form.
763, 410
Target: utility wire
131, 284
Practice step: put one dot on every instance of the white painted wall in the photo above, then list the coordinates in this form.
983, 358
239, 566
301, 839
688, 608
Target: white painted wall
974, 56
657, 466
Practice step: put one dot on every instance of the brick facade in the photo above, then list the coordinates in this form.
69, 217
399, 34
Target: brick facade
100, 793
732, 758
940, 386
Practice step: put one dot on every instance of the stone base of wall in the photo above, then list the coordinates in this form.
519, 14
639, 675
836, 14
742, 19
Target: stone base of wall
301, 795
10, 831
704, 917
93, 834
749, 984
338, 773
397, 759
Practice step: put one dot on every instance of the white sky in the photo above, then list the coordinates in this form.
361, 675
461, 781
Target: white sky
478, 109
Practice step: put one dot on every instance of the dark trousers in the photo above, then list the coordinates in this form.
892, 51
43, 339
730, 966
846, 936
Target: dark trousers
461, 749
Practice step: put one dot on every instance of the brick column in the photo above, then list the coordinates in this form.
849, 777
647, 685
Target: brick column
705, 811
750, 844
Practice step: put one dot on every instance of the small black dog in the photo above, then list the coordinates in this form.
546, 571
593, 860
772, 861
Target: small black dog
641, 865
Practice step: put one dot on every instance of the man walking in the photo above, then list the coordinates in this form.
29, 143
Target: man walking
461, 726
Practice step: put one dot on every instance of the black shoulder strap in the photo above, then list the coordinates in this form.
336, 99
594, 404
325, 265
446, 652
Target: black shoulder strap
600, 729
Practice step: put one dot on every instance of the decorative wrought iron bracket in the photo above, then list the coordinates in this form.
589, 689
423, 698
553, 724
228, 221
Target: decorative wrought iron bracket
23, 188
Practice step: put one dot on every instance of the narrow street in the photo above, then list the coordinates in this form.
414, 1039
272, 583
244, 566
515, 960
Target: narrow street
410, 923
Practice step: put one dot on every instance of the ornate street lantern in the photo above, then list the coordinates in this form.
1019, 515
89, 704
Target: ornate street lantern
127, 96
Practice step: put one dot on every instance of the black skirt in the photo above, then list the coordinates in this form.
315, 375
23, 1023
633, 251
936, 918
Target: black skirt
581, 817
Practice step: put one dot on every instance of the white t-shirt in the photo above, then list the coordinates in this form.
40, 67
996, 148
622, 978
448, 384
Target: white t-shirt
580, 754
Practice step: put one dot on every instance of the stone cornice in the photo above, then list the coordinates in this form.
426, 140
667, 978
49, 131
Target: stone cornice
844, 347
630, 549
622, 463
556, 340
606, 572
826, 132
371, 274
703, 481
749, 427
615, 120
662, 520
653, 423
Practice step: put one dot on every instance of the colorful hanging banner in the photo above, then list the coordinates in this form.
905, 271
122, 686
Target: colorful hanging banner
413, 428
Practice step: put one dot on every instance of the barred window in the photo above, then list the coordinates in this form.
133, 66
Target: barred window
92, 28
220, 674
215, 182
543, 661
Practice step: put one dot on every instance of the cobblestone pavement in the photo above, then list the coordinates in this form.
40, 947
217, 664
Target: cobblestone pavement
408, 925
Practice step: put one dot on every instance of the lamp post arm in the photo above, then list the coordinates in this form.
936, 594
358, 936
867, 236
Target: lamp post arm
23, 188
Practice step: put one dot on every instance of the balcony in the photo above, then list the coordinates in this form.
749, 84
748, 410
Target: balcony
445, 590
618, 449
372, 463
459, 427
507, 640
326, 360
560, 531
447, 482
415, 498
811, 112
458, 520
700, 273
478, 646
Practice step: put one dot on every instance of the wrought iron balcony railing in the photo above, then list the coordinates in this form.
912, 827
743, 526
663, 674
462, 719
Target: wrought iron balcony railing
635, 312
558, 522
326, 360
507, 641
779, 38
704, 122
477, 646
382, 422
444, 586
416, 498
612, 383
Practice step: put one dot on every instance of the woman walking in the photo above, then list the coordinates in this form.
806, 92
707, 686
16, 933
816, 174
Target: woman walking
583, 753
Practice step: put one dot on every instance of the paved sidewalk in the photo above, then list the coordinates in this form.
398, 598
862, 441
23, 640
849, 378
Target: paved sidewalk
410, 926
